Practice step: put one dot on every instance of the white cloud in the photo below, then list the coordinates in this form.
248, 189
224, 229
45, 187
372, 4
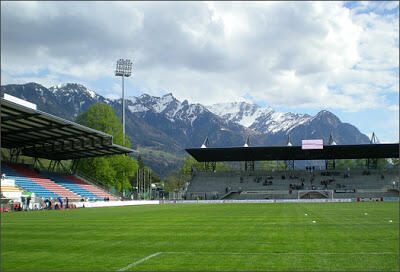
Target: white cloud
117, 88
286, 54
47, 81
394, 108
112, 96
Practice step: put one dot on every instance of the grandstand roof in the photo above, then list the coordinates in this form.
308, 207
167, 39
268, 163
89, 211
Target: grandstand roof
42, 135
268, 153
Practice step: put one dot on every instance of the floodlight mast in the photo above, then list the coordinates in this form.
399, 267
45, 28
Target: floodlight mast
124, 69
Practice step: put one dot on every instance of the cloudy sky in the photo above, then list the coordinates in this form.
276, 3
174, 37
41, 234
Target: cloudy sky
293, 56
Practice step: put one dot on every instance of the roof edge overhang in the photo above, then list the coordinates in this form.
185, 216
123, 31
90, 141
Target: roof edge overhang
262, 153
67, 140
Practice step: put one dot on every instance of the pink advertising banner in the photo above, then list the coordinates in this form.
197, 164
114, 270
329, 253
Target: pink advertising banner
312, 144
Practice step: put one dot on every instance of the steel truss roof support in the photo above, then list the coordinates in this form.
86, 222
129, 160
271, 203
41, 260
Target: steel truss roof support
40, 135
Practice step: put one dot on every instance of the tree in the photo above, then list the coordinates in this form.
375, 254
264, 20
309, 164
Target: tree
220, 166
360, 162
102, 117
271, 165
345, 163
177, 178
112, 170
188, 164
140, 162
170, 184
175, 181
382, 163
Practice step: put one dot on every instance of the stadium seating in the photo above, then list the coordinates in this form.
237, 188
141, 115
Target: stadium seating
72, 186
31, 176
88, 187
53, 185
286, 184
27, 184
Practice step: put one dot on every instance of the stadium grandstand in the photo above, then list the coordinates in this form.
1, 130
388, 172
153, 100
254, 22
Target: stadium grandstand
288, 182
28, 132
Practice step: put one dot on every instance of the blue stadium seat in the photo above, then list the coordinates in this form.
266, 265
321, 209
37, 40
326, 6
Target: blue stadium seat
70, 185
27, 184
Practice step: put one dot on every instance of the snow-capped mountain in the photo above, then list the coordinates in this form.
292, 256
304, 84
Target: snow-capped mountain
187, 123
166, 105
72, 89
240, 112
278, 125
169, 125
76, 97
264, 120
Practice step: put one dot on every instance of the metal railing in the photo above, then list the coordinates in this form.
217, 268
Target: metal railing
95, 183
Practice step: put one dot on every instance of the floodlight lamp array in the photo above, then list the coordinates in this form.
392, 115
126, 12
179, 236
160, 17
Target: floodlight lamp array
124, 68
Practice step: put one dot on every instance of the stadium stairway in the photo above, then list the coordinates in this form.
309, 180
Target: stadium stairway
27, 184
72, 186
44, 182
100, 193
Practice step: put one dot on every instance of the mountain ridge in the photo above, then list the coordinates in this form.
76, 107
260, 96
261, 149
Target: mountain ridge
168, 125
262, 119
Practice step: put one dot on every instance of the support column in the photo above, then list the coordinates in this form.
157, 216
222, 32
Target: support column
74, 166
372, 163
249, 166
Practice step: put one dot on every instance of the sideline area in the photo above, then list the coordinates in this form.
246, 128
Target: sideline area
98, 204
118, 203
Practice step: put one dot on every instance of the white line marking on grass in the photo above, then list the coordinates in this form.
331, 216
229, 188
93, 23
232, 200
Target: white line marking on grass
278, 253
140, 261
255, 253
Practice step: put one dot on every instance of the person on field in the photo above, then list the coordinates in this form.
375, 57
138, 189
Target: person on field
61, 202
28, 200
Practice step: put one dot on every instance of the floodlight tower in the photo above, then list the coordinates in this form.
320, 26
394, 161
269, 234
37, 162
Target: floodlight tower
124, 69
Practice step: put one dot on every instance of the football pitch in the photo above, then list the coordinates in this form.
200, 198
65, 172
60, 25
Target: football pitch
358, 236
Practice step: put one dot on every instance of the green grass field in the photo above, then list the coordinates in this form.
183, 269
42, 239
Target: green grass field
207, 237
